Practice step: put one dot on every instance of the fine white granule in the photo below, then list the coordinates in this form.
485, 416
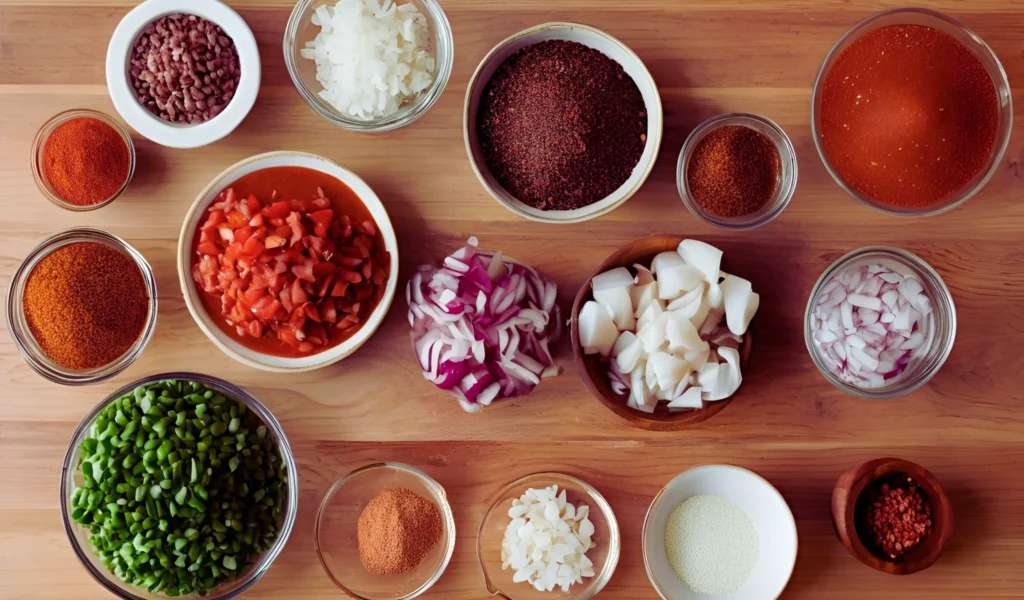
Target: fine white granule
371, 56
711, 544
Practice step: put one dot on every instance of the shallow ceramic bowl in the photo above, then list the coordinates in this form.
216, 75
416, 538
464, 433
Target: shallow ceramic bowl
764, 505
974, 43
205, 321
177, 135
78, 536
337, 543
595, 372
852, 490
605, 555
611, 48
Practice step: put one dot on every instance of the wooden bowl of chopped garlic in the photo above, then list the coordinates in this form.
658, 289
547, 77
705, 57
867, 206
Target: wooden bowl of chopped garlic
660, 333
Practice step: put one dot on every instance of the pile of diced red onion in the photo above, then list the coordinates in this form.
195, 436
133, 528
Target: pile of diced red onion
482, 325
869, 322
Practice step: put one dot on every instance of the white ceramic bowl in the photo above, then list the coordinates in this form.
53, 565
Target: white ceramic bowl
205, 321
611, 48
767, 510
153, 127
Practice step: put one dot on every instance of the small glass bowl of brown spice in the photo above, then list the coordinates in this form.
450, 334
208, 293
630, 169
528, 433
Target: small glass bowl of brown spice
384, 531
737, 171
82, 159
82, 306
892, 515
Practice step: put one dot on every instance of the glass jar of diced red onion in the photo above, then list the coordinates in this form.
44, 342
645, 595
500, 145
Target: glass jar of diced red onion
880, 323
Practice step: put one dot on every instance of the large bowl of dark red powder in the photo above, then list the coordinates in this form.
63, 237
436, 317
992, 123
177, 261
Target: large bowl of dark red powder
911, 112
562, 123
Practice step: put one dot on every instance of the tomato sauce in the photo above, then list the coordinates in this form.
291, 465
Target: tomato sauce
287, 183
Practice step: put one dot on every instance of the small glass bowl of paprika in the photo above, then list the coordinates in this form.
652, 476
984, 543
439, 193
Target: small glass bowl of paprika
737, 171
82, 159
95, 322
360, 506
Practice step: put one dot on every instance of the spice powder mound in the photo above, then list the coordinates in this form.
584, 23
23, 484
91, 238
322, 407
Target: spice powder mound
85, 304
396, 530
561, 125
85, 161
733, 171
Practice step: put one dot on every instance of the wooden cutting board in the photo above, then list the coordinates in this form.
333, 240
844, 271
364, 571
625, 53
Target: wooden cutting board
708, 57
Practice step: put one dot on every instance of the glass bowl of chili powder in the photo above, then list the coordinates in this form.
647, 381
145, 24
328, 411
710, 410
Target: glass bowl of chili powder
82, 159
114, 306
911, 112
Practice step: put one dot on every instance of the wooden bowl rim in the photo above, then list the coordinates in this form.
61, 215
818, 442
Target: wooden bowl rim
924, 555
658, 421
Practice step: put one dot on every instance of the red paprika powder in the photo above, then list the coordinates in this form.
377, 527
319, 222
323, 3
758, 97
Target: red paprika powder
908, 115
86, 161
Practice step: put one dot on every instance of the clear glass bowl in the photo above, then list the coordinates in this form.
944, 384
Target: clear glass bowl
785, 183
941, 324
79, 536
300, 29
945, 24
337, 546
39, 143
605, 555
22, 335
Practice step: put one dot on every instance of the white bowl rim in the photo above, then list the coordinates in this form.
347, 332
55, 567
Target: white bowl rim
601, 207
280, 364
153, 127
734, 471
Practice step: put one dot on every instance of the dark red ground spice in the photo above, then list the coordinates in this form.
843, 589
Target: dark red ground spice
561, 125
733, 171
908, 115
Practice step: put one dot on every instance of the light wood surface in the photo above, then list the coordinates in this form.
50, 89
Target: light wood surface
708, 57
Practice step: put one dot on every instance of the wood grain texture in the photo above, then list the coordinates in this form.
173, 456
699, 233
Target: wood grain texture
708, 57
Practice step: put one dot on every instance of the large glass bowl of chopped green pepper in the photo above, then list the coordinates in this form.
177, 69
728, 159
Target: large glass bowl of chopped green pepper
179, 485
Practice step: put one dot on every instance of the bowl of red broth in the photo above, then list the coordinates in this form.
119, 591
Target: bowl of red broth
911, 112
288, 262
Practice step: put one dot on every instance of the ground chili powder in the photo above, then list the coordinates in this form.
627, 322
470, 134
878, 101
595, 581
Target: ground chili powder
86, 161
733, 171
908, 115
86, 304
396, 530
561, 125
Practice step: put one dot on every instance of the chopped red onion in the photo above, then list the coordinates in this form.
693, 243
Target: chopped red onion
869, 322
482, 325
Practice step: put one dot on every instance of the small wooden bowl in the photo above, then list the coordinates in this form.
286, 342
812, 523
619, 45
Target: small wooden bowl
860, 479
595, 373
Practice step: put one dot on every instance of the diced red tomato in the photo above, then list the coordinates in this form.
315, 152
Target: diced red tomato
208, 248
253, 247
277, 210
237, 218
321, 221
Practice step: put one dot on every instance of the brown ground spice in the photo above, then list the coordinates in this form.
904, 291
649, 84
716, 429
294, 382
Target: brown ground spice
561, 125
86, 304
396, 530
733, 171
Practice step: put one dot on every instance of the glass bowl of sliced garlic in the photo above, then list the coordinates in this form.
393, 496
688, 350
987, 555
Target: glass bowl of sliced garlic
661, 334
548, 536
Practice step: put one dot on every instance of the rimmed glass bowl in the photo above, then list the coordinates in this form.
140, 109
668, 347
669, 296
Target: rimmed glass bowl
70, 478
300, 29
337, 545
39, 144
785, 184
948, 25
605, 555
941, 323
26, 343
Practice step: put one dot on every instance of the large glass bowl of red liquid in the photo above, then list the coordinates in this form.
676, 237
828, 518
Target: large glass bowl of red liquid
1003, 116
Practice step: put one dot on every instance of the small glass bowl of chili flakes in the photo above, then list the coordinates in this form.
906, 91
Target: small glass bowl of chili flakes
82, 160
82, 306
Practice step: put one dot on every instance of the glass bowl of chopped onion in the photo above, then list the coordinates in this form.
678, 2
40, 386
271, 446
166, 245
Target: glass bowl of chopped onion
557, 516
880, 323
113, 430
392, 79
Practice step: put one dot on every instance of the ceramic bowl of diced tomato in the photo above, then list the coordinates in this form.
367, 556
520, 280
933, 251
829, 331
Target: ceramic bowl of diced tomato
288, 262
